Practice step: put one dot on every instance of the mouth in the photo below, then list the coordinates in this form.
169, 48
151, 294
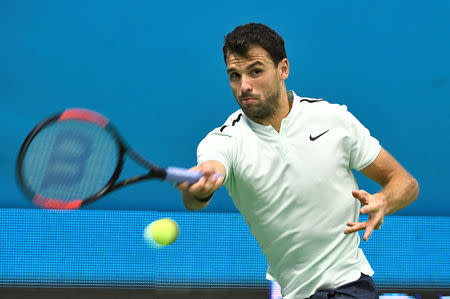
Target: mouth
248, 100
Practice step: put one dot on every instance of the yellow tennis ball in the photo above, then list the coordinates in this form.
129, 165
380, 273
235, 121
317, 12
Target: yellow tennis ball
163, 231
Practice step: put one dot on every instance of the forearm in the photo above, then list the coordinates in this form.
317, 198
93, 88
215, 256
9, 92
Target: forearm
401, 190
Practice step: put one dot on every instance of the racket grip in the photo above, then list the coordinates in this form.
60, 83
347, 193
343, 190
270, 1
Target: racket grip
180, 175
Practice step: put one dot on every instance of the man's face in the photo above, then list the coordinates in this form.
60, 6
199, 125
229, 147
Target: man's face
255, 82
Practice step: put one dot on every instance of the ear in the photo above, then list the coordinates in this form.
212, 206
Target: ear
283, 68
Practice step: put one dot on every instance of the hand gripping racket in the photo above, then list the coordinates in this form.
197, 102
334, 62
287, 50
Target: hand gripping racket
73, 158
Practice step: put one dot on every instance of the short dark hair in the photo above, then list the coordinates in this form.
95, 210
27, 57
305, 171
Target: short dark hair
247, 36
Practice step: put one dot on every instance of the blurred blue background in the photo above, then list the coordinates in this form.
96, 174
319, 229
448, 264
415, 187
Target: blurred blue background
156, 70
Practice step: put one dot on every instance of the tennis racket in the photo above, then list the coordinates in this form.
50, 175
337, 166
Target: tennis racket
75, 157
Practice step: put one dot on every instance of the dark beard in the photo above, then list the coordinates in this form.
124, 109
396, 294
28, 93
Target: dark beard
266, 110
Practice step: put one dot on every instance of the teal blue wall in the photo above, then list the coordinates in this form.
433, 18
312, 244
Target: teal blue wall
156, 70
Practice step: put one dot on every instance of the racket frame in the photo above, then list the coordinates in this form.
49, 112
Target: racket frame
112, 184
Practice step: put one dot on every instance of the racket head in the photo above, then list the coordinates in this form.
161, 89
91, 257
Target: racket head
70, 159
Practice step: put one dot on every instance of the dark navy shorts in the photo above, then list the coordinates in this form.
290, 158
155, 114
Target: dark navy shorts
363, 288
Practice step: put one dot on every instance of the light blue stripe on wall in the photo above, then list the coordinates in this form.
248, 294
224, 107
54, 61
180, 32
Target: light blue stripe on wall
107, 248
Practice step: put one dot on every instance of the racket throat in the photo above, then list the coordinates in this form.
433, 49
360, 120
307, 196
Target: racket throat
157, 173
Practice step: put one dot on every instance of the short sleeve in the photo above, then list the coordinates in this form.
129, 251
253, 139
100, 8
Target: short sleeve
216, 146
364, 148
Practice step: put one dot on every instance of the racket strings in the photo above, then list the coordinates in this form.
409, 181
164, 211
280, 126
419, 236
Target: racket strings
70, 160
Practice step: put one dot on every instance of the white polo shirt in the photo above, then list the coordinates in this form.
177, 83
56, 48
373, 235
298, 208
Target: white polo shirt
294, 190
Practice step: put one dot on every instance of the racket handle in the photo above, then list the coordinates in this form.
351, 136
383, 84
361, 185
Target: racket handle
180, 175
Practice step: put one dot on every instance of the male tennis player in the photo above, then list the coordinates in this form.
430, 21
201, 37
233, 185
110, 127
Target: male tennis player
287, 163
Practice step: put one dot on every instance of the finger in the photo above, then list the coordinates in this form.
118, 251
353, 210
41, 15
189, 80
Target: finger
198, 186
212, 178
218, 183
181, 186
367, 233
209, 186
355, 227
361, 195
206, 169
371, 225
379, 224
216, 180
368, 209
204, 190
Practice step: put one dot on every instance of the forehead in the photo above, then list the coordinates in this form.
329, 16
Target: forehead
255, 54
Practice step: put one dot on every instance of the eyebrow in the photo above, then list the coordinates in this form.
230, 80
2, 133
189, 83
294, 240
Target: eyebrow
256, 63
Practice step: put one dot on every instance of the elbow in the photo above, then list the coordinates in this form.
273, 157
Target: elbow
415, 188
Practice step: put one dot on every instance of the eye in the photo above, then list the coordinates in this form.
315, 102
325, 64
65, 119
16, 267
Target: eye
234, 76
256, 72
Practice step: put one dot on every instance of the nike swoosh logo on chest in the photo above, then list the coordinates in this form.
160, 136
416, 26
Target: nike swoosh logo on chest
315, 137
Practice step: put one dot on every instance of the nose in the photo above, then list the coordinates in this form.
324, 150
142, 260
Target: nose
246, 87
